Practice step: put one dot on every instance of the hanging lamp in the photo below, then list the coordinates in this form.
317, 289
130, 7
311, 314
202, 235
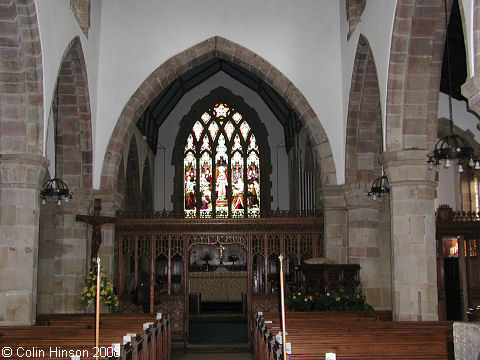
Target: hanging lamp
55, 189
451, 147
379, 187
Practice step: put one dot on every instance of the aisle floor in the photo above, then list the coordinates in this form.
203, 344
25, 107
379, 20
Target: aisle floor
212, 356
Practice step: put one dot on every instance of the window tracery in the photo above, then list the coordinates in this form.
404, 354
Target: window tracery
221, 151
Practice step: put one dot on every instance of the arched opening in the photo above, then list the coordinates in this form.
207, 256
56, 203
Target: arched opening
166, 85
69, 149
222, 159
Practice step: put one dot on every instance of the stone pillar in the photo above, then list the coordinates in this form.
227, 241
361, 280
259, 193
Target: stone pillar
70, 255
71, 247
414, 273
365, 240
333, 204
20, 181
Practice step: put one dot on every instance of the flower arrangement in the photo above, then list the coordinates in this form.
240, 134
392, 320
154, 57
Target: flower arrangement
89, 291
334, 300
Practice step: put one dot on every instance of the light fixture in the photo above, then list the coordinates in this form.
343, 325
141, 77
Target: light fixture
379, 187
55, 189
451, 146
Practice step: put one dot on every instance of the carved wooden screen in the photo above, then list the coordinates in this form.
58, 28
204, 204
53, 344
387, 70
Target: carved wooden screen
459, 226
166, 241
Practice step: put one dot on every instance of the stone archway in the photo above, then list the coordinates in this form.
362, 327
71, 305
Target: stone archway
367, 222
22, 164
58, 289
74, 128
411, 131
216, 47
364, 125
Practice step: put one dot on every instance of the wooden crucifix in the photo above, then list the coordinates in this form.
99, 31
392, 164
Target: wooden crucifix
96, 220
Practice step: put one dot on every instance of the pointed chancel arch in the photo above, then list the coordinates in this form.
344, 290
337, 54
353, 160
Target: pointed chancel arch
216, 47
73, 120
364, 123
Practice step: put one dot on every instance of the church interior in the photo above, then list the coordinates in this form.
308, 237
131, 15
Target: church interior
223, 160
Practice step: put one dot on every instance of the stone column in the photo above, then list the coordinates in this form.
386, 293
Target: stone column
332, 202
365, 242
72, 247
20, 181
70, 255
414, 273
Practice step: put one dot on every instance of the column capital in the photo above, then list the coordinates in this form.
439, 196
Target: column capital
22, 170
332, 197
471, 90
356, 196
406, 166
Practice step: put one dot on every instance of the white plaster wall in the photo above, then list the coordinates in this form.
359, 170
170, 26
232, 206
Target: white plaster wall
300, 38
169, 129
462, 118
58, 27
376, 26
448, 187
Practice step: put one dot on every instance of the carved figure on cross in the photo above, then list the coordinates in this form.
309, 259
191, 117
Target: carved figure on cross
96, 220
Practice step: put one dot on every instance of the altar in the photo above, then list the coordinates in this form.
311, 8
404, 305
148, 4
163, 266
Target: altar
219, 285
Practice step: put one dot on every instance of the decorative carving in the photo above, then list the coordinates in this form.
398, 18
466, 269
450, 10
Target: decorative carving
171, 240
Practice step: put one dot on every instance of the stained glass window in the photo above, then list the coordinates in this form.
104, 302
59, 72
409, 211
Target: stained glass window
213, 128
221, 166
244, 129
190, 196
229, 129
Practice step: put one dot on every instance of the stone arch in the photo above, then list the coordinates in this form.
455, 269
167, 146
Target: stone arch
21, 116
215, 47
364, 123
73, 119
132, 178
414, 75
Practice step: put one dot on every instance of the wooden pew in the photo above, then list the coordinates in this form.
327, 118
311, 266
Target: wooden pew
351, 336
63, 335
